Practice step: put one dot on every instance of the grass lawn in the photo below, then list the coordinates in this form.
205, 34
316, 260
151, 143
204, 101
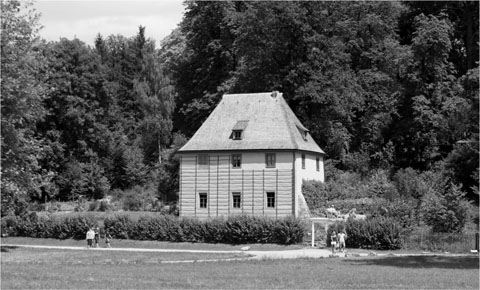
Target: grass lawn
23, 268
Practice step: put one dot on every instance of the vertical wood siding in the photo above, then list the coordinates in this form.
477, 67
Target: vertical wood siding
219, 180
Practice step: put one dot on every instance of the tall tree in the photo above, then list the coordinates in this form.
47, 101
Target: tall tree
464, 17
22, 94
207, 62
429, 87
76, 121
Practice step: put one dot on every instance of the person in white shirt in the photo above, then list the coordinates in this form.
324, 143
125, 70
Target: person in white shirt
90, 236
341, 240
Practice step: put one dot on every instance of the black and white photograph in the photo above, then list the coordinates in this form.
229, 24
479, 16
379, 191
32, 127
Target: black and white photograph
186, 144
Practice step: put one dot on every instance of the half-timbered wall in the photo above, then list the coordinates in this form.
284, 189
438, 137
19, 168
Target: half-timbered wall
218, 179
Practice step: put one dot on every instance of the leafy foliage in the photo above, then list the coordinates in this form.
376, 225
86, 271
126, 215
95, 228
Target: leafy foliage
446, 211
235, 230
388, 89
22, 94
374, 233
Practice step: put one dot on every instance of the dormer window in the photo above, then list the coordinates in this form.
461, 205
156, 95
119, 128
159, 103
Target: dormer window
238, 130
237, 134
303, 131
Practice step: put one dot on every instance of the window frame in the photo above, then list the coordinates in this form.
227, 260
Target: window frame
235, 136
206, 163
318, 163
202, 199
270, 199
236, 200
267, 165
236, 161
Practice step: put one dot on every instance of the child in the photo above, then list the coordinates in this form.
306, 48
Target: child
341, 240
96, 236
108, 237
333, 241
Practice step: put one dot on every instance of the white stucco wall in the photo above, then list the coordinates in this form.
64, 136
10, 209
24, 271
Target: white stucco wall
308, 173
220, 168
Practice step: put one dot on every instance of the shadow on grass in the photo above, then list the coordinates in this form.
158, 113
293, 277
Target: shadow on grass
8, 248
446, 262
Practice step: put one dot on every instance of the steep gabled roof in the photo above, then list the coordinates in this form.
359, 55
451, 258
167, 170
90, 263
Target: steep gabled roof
266, 120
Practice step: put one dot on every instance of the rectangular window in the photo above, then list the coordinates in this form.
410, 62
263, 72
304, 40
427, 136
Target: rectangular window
237, 135
270, 160
318, 163
237, 199
303, 161
203, 199
236, 160
202, 161
271, 199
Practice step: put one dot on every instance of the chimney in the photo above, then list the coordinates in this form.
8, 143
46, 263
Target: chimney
274, 94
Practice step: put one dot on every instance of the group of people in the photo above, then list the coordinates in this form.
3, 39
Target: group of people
338, 241
93, 238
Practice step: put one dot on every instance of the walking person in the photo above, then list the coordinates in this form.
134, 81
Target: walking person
341, 241
333, 241
90, 237
108, 237
97, 237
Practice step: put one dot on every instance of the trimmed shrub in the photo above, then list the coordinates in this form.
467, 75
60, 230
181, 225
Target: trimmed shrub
47, 227
120, 227
9, 226
234, 230
78, 226
289, 231
374, 233
215, 231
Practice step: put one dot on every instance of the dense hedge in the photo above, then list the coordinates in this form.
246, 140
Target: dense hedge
47, 227
234, 230
374, 233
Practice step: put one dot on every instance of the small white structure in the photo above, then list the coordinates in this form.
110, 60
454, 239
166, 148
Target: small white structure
250, 157
324, 222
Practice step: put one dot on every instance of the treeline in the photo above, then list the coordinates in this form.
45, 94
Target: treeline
380, 85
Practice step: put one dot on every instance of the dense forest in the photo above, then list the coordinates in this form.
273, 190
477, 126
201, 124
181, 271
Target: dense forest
388, 87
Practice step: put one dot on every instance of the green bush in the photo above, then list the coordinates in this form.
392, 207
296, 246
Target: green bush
403, 211
215, 231
197, 231
47, 227
234, 230
447, 210
288, 231
346, 189
132, 202
374, 233
93, 206
120, 227
9, 226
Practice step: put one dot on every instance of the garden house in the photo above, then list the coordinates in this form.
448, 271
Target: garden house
249, 157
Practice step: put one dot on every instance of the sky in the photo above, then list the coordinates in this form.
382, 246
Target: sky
84, 19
